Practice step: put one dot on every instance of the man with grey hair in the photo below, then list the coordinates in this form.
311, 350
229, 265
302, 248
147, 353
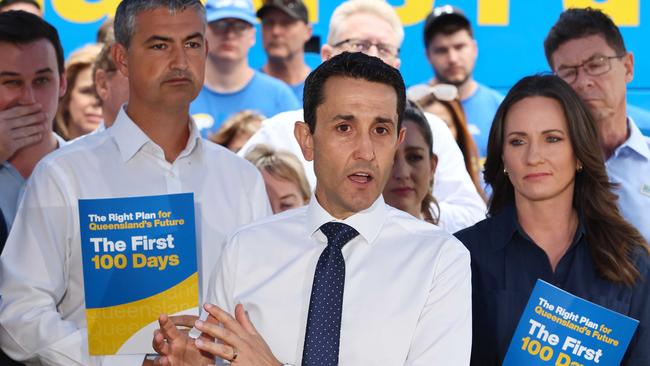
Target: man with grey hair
373, 27
153, 148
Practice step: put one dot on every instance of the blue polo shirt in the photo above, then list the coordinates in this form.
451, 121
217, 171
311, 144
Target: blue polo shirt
629, 166
12, 184
480, 109
263, 94
506, 263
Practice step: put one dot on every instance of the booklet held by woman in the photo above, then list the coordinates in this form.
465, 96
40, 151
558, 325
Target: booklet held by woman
560, 329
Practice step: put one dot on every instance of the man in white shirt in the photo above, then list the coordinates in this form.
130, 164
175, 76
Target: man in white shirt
347, 279
153, 148
374, 28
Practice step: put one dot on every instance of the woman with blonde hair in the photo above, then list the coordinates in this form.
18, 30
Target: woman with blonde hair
284, 177
79, 112
237, 129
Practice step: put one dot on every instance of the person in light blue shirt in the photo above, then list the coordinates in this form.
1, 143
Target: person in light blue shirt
629, 166
285, 31
262, 94
480, 108
641, 118
586, 49
452, 52
231, 85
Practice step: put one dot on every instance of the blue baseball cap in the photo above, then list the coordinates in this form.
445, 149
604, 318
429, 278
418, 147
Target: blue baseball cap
238, 9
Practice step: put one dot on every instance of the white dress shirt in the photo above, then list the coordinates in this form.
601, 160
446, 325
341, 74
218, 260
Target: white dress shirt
460, 204
407, 296
41, 280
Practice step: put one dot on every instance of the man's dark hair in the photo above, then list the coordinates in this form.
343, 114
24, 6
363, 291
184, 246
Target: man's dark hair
446, 25
5, 3
579, 23
20, 27
354, 65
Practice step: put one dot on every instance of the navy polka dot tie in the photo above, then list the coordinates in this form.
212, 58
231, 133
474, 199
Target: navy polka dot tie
324, 319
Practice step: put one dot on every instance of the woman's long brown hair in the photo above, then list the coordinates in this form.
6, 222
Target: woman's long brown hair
611, 239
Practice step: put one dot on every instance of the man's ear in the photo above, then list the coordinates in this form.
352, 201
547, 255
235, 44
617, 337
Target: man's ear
628, 63
63, 84
100, 84
326, 52
305, 139
119, 53
401, 135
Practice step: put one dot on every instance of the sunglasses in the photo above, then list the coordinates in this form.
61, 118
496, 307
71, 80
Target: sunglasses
445, 92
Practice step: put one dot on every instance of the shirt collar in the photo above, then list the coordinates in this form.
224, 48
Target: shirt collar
130, 138
506, 224
367, 222
637, 142
60, 141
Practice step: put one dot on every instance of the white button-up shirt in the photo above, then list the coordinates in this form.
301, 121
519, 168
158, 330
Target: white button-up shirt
407, 297
41, 280
460, 204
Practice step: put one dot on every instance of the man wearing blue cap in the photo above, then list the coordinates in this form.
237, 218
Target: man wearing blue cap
231, 85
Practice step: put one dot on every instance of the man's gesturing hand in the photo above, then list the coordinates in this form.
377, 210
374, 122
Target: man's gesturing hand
238, 339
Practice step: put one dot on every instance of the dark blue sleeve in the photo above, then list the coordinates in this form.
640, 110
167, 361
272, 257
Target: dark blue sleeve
638, 353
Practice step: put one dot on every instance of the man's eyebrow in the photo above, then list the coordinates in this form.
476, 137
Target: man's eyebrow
44, 70
387, 120
590, 58
194, 35
170, 39
158, 38
345, 117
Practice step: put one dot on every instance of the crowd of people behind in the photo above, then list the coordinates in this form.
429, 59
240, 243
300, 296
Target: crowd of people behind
443, 203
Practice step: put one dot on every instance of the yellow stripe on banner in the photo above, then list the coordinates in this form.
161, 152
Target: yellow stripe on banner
110, 327
494, 12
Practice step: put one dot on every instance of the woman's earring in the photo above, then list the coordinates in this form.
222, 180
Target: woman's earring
505, 172
579, 169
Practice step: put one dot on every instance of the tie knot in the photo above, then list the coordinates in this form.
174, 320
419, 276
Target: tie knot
338, 234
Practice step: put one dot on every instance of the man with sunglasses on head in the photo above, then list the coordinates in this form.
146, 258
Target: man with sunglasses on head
586, 49
231, 85
452, 52
373, 27
285, 30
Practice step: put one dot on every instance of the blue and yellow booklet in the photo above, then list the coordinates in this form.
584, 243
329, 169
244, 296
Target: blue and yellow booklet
560, 329
139, 260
